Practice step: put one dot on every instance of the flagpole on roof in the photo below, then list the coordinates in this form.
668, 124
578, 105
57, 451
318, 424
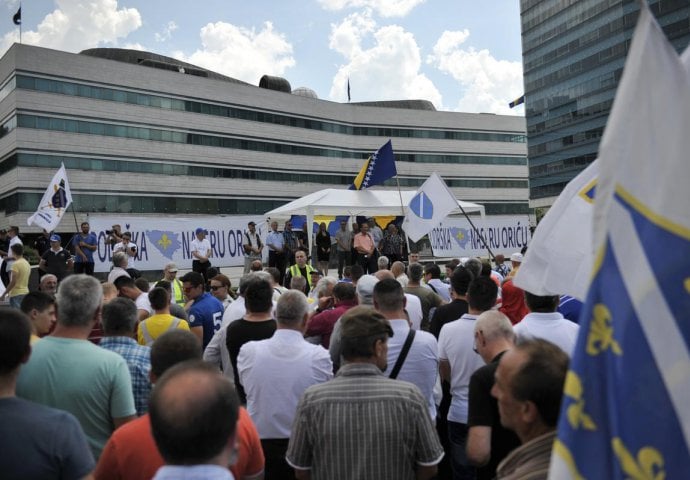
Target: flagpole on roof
17, 20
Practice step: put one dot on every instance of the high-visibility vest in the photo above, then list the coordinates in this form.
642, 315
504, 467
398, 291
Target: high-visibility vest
178, 294
295, 272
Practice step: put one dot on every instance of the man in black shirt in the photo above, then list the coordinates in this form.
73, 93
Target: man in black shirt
257, 323
459, 282
488, 442
56, 260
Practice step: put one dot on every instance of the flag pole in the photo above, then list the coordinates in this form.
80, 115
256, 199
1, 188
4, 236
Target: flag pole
402, 210
476, 231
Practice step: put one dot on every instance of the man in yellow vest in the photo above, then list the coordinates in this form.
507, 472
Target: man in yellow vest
170, 275
300, 269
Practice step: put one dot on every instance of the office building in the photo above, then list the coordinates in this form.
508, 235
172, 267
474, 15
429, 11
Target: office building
144, 134
573, 57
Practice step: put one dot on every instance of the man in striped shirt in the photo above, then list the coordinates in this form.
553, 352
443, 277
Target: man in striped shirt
362, 424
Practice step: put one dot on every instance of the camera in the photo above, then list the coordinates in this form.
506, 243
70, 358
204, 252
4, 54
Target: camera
108, 232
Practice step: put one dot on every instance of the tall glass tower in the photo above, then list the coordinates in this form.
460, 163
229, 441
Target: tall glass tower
573, 54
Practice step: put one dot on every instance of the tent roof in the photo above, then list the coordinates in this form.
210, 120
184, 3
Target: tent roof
332, 201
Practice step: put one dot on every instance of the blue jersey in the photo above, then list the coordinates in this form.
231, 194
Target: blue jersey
91, 239
206, 312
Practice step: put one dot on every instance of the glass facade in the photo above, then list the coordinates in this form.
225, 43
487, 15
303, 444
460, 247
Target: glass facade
164, 167
42, 84
573, 56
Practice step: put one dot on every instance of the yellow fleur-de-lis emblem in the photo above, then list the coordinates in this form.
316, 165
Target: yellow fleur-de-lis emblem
460, 236
577, 417
164, 241
649, 464
600, 336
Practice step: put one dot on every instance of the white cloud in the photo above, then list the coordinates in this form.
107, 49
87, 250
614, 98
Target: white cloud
387, 70
489, 84
76, 25
242, 53
166, 33
385, 8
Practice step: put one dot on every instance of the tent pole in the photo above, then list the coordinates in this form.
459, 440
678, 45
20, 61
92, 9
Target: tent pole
402, 210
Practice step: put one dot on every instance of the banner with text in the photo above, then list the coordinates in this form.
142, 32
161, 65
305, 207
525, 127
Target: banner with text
454, 237
163, 240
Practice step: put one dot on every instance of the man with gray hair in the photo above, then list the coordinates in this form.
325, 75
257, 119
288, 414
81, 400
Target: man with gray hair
119, 269
281, 367
383, 262
68, 372
119, 321
48, 284
488, 442
362, 424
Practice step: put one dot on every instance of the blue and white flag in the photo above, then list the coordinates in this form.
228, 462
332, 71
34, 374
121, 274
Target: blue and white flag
626, 404
54, 203
559, 259
432, 203
378, 168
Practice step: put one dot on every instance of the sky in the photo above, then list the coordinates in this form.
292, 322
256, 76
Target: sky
462, 55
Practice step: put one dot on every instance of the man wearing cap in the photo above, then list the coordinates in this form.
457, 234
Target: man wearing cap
387, 432
170, 275
200, 249
56, 260
252, 246
85, 243
515, 262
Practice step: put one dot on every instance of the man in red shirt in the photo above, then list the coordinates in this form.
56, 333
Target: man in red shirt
131, 453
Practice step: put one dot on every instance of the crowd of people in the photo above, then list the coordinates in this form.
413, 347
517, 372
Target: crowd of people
389, 370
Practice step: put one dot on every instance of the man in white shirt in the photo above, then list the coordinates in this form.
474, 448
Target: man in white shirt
252, 246
13, 234
129, 248
281, 367
458, 362
432, 277
200, 249
420, 364
119, 267
544, 321
127, 288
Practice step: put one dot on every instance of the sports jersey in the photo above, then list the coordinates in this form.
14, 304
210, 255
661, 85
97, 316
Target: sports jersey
206, 312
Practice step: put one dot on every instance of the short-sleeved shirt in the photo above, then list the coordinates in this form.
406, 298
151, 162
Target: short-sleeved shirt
483, 411
41, 442
131, 452
364, 241
138, 360
202, 247
455, 344
22, 271
276, 239
90, 239
91, 383
56, 262
240, 332
156, 325
549, 326
363, 425
344, 237
120, 247
206, 312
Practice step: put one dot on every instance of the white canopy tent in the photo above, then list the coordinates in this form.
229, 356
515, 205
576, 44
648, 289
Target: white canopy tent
370, 203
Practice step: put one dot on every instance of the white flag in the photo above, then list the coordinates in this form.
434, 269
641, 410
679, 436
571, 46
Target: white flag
625, 410
54, 202
559, 259
432, 203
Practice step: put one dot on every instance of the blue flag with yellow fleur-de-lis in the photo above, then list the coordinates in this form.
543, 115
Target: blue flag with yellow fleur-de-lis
626, 403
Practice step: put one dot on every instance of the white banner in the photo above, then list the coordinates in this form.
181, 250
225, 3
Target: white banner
454, 237
163, 240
